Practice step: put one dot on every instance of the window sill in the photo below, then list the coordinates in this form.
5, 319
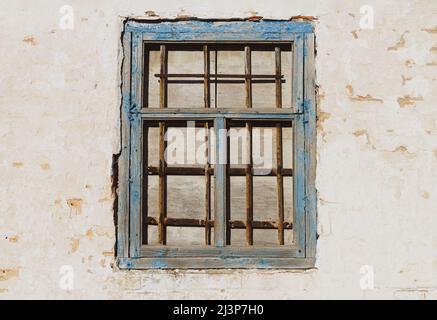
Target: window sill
216, 263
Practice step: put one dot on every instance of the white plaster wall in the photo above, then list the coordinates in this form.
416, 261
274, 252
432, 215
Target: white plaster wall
377, 152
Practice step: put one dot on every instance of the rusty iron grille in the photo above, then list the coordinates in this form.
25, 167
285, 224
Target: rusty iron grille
223, 189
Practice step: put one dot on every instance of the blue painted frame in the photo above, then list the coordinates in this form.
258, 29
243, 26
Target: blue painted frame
130, 253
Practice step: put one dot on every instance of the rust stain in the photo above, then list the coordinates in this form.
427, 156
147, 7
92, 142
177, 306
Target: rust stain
151, 13
433, 63
430, 30
425, 194
75, 204
433, 50
30, 40
399, 44
367, 97
307, 18
354, 33
407, 100
435, 153
75, 245
17, 164
84, 19
45, 166
6, 274
88, 186
3, 290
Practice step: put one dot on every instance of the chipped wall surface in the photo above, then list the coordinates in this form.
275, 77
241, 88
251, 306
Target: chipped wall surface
376, 169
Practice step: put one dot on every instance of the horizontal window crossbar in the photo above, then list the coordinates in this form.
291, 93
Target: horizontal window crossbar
210, 114
202, 75
228, 81
234, 224
200, 171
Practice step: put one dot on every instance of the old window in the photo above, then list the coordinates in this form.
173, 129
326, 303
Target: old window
218, 132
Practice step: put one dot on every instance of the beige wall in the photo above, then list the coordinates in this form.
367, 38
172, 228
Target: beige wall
377, 152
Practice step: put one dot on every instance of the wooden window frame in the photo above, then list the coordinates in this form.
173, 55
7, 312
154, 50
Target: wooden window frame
130, 252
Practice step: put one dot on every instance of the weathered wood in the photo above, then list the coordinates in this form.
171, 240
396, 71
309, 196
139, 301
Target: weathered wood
218, 31
220, 189
210, 114
297, 71
135, 172
226, 252
217, 263
310, 146
302, 115
298, 147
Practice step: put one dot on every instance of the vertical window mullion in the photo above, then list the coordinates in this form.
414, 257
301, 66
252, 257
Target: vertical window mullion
162, 231
249, 166
298, 147
207, 99
220, 189
279, 177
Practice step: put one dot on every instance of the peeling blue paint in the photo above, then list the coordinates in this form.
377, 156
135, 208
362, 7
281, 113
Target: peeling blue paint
215, 31
159, 264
